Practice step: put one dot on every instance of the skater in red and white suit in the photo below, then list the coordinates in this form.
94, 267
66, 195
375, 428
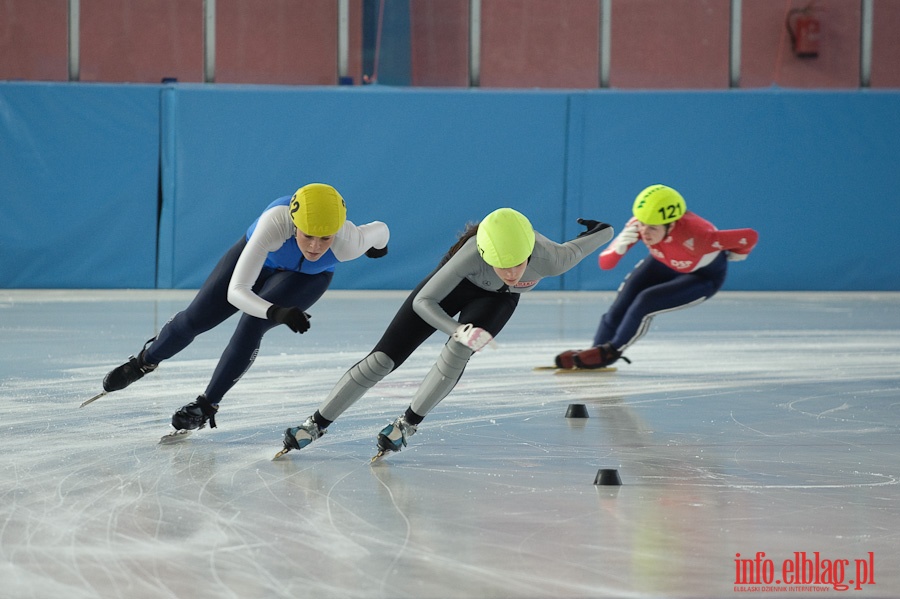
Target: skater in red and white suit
687, 265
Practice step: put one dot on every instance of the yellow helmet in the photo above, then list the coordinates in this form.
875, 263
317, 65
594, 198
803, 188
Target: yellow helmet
658, 205
505, 238
318, 210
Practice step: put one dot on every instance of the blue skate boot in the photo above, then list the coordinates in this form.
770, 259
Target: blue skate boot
298, 437
394, 436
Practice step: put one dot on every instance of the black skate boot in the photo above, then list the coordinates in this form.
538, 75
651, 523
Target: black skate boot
598, 357
195, 415
132, 370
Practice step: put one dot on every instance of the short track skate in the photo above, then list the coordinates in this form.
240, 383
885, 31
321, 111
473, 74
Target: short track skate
174, 436
93, 399
558, 370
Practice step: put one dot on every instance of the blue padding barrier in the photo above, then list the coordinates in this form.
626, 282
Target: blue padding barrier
78, 185
424, 162
82, 168
815, 173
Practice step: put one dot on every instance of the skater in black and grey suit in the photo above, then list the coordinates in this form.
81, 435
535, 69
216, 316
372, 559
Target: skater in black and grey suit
480, 279
273, 274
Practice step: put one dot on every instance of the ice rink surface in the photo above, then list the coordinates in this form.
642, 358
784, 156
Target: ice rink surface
755, 423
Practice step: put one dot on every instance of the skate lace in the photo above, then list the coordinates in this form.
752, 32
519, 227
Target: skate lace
209, 410
312, 429
407, 430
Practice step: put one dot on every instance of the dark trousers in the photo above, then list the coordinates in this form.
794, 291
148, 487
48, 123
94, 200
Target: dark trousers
653, 288
486, 309
210, 308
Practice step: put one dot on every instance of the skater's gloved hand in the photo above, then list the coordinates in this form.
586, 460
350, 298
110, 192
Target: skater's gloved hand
593, 226
626, 239
296, 319
475, 338
735, 257
376, 253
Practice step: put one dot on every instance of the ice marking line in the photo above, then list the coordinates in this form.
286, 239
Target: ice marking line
845, 406
892, 480
739, 423
402, 549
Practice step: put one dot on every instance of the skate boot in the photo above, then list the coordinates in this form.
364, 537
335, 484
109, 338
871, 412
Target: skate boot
566, 359
132, 370
195, 415
393, 437
598, 357
298, 437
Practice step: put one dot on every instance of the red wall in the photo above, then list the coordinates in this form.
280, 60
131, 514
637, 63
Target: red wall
886, 44
439, 32
670, 44
141, 41
766, 56
34, 38
540, 43
524, 43
281, 41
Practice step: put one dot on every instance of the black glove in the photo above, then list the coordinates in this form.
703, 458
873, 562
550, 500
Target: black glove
296, 319
376, 253
593, 226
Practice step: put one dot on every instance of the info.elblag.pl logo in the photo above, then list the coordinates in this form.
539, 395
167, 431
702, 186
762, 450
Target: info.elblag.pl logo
802, 572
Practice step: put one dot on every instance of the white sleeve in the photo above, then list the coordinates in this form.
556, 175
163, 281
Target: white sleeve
273, 229
353, 241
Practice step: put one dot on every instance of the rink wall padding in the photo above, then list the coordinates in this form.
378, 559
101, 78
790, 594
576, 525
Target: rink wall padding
143, 186
79, 167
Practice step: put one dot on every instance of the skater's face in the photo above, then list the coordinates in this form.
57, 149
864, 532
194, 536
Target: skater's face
313, 247
653, 234
511, 275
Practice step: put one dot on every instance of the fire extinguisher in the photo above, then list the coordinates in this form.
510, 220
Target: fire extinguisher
804, 28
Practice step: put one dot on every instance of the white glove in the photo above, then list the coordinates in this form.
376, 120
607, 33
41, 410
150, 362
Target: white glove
475, 338
626, 239
735, 257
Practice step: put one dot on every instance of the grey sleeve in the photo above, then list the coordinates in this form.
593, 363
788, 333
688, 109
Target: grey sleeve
557, 258
445, 280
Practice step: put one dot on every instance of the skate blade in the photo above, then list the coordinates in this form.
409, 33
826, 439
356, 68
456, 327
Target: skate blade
380, 456
585, 370
557, 370
93, 399
174, 436
281, 453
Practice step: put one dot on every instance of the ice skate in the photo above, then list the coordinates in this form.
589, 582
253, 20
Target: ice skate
393, 437
174, 436
135, 368
298, 437
566, 359
601, 356
195, 415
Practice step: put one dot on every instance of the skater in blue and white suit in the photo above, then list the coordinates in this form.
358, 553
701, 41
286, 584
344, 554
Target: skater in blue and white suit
273, 274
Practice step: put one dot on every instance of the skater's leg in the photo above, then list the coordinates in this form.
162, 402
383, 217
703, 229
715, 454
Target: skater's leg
682, 292
282, 288
361, 377
490, 312
208, 309
647, 273
404, 334
487, 310
441, 379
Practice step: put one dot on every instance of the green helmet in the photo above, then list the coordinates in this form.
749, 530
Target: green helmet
658, 205
505, 238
